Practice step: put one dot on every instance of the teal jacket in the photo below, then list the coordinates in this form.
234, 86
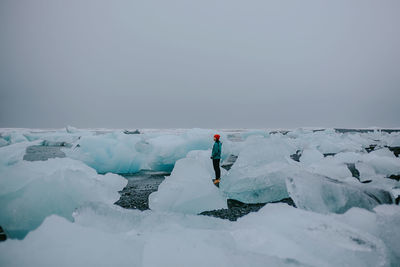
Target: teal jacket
216, 151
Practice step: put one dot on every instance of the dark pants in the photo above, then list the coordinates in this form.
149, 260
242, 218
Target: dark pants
216, 168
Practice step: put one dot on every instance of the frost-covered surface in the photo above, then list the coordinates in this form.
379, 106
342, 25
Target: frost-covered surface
189, 188
342, 194
31, 191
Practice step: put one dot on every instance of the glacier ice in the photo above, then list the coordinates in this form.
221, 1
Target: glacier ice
151, 240
3, 142
59, 242
322, 194
260, 172
310, 156
383, 163
189, 188
13, 136
257, 185
13, 153
278, 234
258, 175
383, 222
120, 153
308, 238
339, 221
30, 191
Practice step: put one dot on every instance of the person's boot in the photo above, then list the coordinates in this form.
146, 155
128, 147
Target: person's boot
216, 182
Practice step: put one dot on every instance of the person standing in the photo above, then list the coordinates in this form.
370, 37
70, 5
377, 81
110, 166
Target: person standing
216, 158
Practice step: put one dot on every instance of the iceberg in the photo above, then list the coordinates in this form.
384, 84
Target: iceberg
382, 222
117, 152
13, 153
62, 207
308, 238
59, 242
322, 194
189, 188
278, 234
150, 240
30, 191
3, 142
257, 185
383, 162
328, 141
258, 175
310, 156
12, 137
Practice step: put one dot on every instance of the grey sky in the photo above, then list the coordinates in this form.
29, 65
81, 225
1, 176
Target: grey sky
211, 64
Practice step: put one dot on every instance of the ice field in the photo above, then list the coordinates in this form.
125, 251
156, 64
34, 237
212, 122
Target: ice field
60, 211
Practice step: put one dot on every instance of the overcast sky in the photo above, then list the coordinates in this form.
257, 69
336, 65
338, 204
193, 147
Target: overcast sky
209, 64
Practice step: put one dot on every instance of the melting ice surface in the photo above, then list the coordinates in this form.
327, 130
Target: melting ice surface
63, 209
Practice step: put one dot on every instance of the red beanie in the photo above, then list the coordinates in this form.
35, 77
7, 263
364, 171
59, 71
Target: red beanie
217, 136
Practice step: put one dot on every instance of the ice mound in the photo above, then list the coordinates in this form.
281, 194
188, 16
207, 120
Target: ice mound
71, 129
310, 156
150, 240
14, 153
322, 194
12, 137
248, 133
278, 235
58, 137
112, 152
383, 162
383, 222
30, 191
257, 185
264, 163
120, 153
58, 242
392, 139
259, 173
308, 238
328, 141
189, 188
3, 142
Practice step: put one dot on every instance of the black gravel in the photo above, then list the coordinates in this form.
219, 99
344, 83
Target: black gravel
3, 236
237, 209
41, 153
140, 185
395, 150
